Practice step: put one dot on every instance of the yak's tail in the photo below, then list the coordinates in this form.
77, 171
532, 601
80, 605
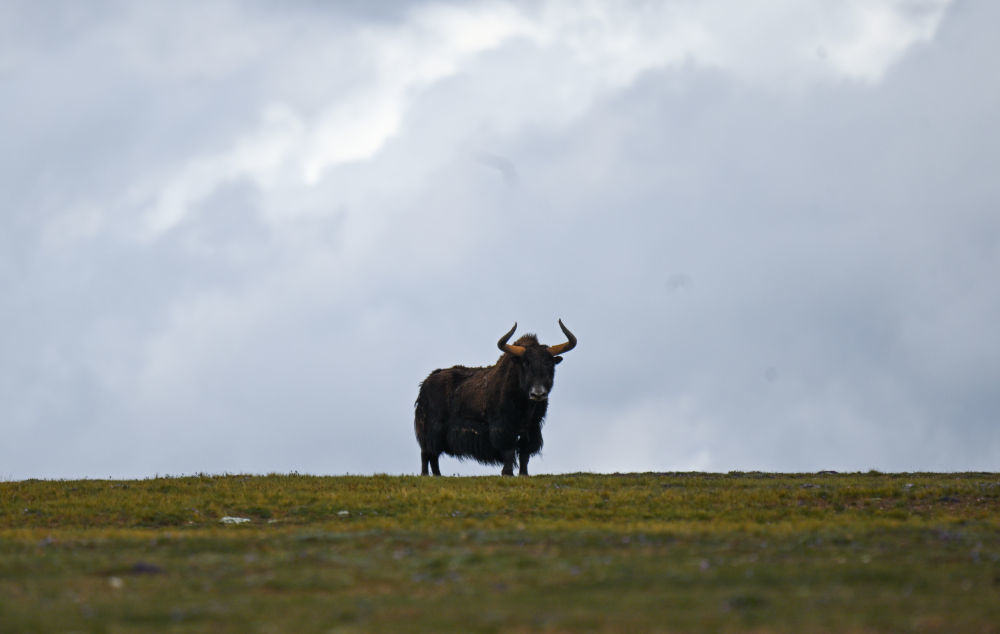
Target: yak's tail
420, 420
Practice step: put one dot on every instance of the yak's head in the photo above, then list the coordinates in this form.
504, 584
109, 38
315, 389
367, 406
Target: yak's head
535, 363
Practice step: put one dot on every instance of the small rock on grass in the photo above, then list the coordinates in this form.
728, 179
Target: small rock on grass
229, 519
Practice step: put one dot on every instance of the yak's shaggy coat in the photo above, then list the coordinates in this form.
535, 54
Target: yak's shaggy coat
493, 414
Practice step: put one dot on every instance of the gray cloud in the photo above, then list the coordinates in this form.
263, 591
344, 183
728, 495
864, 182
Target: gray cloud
769, 264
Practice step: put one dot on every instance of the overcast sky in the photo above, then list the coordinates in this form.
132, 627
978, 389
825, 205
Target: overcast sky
235, 236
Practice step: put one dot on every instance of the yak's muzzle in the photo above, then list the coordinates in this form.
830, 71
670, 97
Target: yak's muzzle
538, 393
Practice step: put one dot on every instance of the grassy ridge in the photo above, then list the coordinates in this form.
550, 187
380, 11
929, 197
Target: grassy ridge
634, 552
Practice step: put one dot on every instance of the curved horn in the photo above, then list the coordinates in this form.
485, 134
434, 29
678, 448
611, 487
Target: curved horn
563, 347
517, 351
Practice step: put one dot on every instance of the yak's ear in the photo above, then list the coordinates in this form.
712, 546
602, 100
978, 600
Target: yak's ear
557, 360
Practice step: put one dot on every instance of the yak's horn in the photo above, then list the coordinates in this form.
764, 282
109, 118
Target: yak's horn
563, 347
517, 351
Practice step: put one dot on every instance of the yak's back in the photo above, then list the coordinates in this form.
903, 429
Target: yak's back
455, 388
453, 376
443, 382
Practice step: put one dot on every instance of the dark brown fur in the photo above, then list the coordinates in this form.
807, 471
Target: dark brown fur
487, 414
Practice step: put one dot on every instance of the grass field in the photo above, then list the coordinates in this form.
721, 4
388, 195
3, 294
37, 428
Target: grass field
566, 553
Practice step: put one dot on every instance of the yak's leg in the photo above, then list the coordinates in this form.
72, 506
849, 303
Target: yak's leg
427, 458
523, 462
528, 444
505, 443
508, 463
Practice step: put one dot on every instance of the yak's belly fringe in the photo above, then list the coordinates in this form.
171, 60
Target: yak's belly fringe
469, 441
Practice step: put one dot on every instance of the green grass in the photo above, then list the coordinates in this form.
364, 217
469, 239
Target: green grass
570, 553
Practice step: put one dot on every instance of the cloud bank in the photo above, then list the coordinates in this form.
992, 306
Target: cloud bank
238, 236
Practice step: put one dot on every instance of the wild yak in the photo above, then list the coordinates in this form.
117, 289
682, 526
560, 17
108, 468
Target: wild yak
489, 414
